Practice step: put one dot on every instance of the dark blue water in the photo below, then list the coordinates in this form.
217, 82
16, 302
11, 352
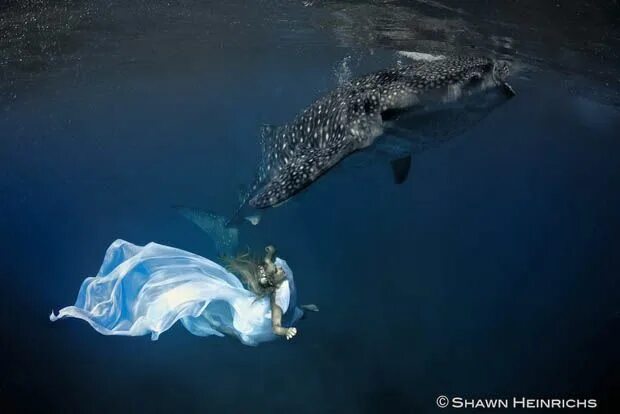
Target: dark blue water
492, 271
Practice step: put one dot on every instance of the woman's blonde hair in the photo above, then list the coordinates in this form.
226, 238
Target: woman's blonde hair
247, 268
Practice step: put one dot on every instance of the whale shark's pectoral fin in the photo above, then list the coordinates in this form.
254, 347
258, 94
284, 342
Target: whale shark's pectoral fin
399, 152
400, 168
298, 173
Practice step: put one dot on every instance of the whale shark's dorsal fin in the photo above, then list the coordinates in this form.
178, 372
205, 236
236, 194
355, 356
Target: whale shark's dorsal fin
268, 144
272, 151
298, 173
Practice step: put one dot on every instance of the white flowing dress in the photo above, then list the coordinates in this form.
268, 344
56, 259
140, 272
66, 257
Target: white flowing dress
145, 290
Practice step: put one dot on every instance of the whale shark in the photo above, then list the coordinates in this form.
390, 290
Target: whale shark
426, 102
395, 112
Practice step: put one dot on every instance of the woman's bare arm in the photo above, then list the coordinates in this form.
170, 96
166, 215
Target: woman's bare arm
276, 320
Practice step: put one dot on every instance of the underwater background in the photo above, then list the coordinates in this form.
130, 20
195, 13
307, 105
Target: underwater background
491, 272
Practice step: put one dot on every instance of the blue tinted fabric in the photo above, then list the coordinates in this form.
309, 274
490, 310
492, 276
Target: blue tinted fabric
145, 290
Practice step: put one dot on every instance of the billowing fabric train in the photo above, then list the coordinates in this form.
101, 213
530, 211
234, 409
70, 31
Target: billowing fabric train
144, 290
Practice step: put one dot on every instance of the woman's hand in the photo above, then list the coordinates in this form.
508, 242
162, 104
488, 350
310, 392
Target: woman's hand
276, 321
290, 333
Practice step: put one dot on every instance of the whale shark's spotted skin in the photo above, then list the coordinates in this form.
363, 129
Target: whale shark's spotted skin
351, 117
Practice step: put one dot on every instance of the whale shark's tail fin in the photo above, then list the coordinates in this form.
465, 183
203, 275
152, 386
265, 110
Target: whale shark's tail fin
224, 236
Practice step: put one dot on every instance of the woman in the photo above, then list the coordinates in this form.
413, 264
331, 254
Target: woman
142, 290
